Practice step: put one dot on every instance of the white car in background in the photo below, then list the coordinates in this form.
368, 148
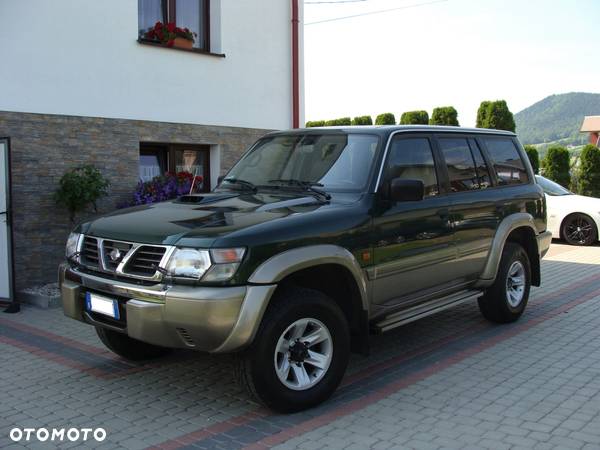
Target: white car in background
571, 217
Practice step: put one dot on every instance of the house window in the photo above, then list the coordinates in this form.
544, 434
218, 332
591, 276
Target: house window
157, 159
191, 14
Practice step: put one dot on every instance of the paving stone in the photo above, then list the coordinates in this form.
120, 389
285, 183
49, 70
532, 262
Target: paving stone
537, 388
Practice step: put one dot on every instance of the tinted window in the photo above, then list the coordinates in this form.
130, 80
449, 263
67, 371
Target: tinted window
412, 159
483, 173
460, 163
508, 164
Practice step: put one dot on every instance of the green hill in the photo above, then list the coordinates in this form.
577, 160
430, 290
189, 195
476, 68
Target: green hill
557, 118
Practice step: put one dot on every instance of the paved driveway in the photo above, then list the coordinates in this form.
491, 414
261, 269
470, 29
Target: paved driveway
448, 381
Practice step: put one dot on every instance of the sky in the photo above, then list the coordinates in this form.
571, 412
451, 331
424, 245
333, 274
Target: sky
447, 52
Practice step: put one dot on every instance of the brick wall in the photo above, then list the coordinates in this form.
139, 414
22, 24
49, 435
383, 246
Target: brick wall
44, 146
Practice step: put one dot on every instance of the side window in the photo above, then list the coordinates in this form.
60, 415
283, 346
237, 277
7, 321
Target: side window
483, 172
460, 163
412, 159
508, 164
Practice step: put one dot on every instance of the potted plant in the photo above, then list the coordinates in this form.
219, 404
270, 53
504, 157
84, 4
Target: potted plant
171, 35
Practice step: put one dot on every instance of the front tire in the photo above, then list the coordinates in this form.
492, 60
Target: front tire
130, 348
300, 353
506, 299
579, 229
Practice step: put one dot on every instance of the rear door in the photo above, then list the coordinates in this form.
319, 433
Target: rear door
5, 271
413, 242
472, 204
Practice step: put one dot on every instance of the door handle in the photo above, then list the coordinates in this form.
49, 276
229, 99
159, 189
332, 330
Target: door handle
446, 218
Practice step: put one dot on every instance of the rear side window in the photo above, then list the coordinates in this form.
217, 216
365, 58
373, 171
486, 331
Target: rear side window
412, 159
460, 163
508, 164
483, 173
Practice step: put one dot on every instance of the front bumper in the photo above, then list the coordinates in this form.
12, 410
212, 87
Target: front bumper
544, 240
210, 319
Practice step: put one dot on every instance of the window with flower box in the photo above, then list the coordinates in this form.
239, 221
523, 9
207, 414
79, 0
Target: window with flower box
190, 15
157, 159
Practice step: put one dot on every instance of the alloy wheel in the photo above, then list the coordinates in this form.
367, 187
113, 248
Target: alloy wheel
515, 284
303, 354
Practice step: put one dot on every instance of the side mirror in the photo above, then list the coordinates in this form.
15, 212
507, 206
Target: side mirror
402, 190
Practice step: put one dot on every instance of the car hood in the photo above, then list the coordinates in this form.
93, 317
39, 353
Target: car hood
199, 220
579, 203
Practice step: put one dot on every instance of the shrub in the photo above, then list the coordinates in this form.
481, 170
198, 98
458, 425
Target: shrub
315, 123
414, 118
482, 114
362, 120
163, 187
343, 121
588, 174
495, 115
385, 119
79, 188
534, 158
444, 115
556, 165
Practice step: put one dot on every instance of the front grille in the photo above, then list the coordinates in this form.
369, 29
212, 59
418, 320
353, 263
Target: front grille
145, 261
105, 256
90, 254
113, 253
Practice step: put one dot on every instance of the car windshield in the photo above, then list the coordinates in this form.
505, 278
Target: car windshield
335, 162
551, 188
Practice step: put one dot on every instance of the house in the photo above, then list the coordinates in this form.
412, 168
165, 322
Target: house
83, 83
591, 124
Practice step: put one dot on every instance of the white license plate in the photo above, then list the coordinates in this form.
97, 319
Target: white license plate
102, 305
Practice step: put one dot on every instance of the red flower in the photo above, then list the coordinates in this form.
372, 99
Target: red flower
170, 43
158, 26
171, 27
160, 35
186, 30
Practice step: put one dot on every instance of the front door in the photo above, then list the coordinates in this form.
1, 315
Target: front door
5, 272
413, 244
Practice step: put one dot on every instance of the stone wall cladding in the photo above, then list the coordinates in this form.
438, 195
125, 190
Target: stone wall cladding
44, 147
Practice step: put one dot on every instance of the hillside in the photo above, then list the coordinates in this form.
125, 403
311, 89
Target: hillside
557, 117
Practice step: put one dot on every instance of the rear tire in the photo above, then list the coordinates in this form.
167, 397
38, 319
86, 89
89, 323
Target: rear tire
506, 299
301, 327
130, 348
579, 229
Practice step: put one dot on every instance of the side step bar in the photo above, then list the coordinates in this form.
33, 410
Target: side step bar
425, 309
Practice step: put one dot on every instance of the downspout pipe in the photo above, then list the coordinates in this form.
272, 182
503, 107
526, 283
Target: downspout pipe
295, 66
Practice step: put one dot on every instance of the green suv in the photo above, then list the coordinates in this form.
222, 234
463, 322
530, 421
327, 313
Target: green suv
314, 240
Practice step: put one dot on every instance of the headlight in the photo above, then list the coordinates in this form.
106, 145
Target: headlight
189, 263
72, 245
217, 265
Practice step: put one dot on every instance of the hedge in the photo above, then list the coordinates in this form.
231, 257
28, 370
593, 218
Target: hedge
556, 165
414, 118
534, 158
385, 119
362, 120
444, 115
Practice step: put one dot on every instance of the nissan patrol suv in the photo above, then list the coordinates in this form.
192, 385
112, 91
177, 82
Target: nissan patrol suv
312, 241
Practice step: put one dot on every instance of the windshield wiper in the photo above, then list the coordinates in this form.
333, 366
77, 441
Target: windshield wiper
310, 186
243, 183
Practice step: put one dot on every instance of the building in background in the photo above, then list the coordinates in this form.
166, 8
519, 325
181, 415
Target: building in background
591, 125
83, 85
